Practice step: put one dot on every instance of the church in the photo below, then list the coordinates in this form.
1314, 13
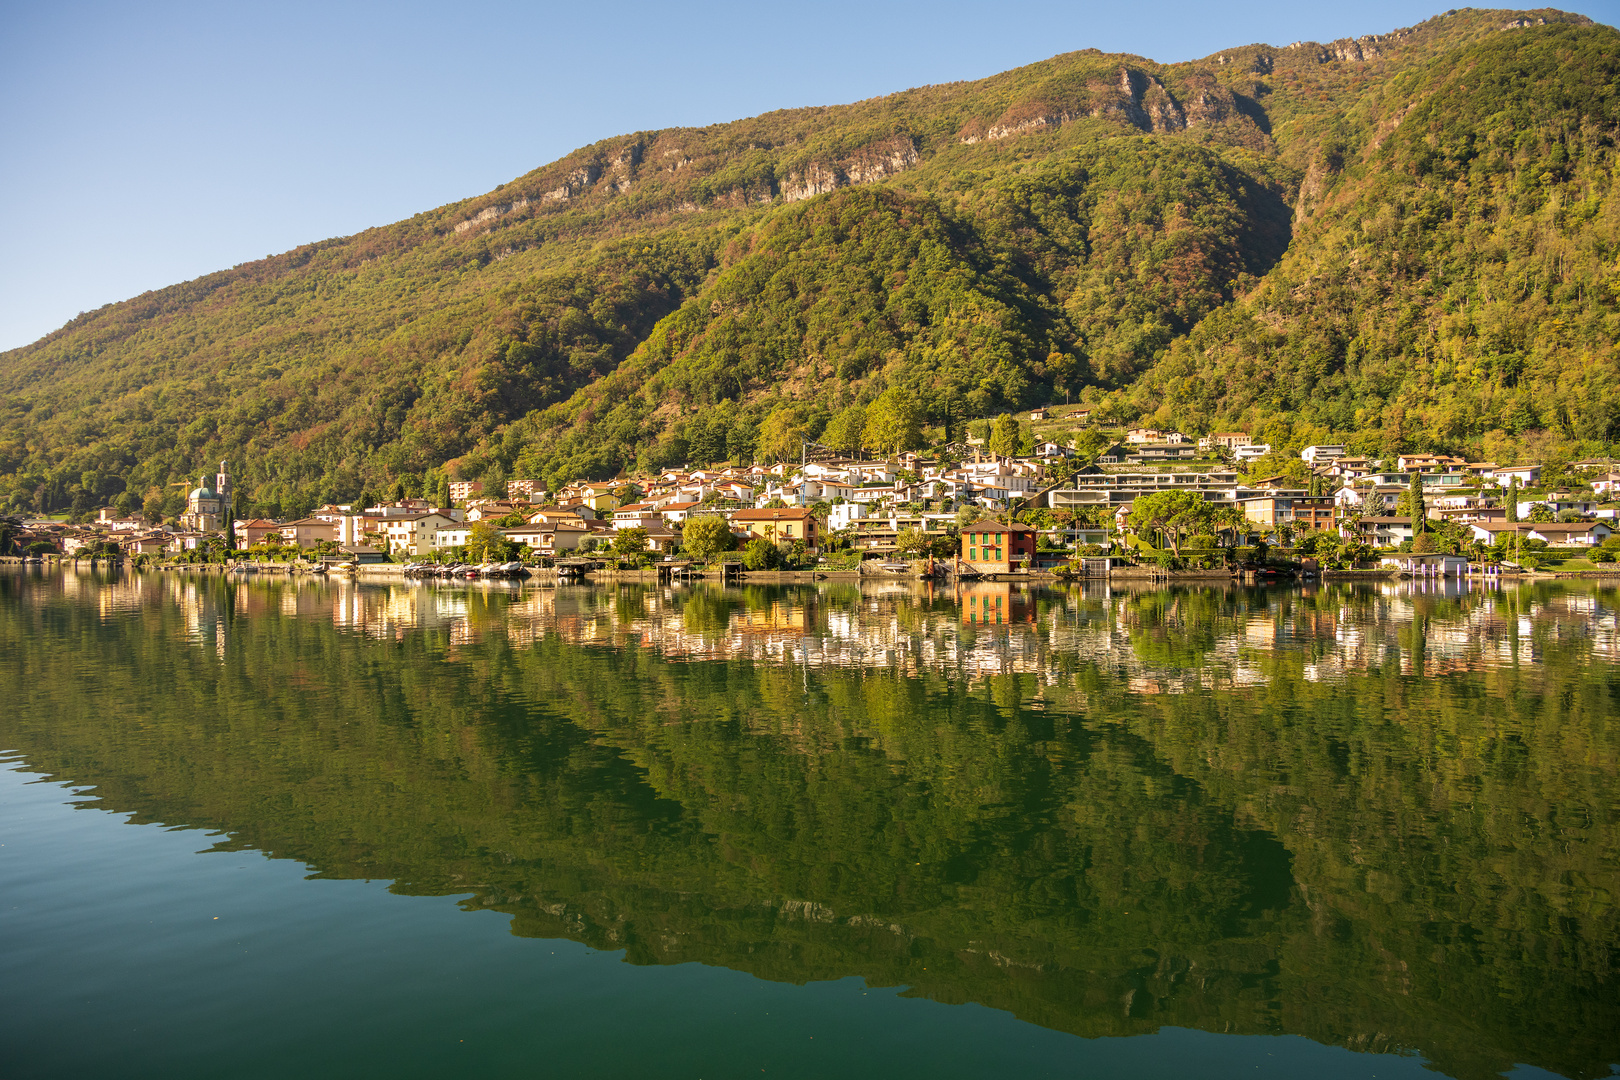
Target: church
208, 503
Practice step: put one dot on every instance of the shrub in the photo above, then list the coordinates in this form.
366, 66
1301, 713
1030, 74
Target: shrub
760, 554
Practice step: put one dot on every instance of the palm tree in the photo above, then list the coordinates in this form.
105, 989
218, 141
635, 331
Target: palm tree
1066, 518
1229, 520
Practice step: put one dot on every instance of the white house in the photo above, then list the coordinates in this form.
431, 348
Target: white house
1574, 533
1557, 502
1313, 454
1251, 452
1432, 565
640, 515
1603, 485
676, 513
1557, 534
1226, 440
452, 536
1380, 531
1526, 475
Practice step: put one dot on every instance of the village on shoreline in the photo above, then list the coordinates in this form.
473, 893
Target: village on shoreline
1148, 500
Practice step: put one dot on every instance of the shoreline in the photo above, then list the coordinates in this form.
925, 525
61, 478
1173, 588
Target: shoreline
651, 575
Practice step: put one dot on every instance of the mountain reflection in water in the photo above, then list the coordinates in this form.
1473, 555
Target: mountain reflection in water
1381, 817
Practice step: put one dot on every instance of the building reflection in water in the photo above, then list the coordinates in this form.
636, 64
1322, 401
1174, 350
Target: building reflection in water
1160, 640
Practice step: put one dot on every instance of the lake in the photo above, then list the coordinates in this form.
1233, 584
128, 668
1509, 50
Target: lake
295, 826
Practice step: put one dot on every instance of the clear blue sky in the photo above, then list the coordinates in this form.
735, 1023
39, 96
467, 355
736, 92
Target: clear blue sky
149, 143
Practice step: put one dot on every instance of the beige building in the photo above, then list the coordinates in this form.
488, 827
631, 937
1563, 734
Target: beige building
1225, 440
462, 490
307, 532
549, 539
254, 530
417, 535
208, 503
495, 509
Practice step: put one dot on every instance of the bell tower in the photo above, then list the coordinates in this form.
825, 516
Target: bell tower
222, 488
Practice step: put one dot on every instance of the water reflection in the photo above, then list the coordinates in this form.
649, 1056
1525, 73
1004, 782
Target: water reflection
1384, 817
1166, 641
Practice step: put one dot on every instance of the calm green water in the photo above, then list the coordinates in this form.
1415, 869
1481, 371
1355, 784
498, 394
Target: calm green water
308, 828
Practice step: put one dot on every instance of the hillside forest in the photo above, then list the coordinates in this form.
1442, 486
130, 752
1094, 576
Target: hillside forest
1408, 241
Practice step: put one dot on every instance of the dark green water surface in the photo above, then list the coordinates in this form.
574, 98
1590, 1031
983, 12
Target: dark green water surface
279, 828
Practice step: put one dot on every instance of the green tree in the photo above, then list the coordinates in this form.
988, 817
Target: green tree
846, 431
783, 432
894, 422
483, 541
1006, 436
1513, 500
1415, 506
1089, 445
1353, 554
436, 487
914, 543
1173, 513
629, 543
760, 554
705, 536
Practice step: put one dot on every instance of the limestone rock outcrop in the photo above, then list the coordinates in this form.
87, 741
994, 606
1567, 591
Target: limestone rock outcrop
872, 162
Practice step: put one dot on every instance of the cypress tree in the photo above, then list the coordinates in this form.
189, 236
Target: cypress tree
1513, 501
1414, 501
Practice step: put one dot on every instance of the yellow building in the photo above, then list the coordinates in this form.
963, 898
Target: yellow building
782, 525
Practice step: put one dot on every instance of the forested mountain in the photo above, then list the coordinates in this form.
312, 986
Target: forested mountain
1402, 241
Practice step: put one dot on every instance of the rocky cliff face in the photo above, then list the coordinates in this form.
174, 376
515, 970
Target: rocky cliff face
870, 163
1129, 94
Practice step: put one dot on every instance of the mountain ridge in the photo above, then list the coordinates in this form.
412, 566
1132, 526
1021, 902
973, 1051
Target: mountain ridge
487, 326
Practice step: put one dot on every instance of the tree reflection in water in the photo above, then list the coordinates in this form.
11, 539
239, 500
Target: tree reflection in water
1384, 818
